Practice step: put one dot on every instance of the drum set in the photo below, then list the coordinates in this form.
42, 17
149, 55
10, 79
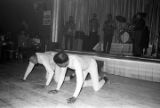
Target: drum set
125, 30
125, 33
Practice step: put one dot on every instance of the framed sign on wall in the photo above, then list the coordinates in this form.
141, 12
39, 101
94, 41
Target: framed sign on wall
47, 17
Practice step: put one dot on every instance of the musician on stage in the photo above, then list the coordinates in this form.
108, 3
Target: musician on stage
69, 31
108, 28
139, 25
145, 41
93, 31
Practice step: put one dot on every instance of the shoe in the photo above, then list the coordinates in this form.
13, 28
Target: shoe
107, 81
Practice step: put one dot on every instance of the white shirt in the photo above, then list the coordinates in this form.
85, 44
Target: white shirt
79, 64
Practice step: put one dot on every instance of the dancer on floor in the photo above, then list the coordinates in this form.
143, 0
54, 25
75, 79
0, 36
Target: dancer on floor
46, 59
83, 65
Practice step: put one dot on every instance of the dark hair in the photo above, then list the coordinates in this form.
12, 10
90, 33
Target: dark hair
60, 57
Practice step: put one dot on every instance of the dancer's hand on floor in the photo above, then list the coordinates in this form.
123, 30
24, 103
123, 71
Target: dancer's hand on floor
53, 91
71, 100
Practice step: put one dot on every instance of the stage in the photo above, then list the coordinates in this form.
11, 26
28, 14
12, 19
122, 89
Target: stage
127, 66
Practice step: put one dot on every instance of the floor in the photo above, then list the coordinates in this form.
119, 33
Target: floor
120, 93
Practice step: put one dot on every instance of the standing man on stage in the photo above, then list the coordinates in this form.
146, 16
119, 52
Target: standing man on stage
83, 65
69, 31
108, 28
145, 41
139, 25
93, 31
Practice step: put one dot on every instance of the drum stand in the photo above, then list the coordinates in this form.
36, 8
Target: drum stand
122, 49
124, 38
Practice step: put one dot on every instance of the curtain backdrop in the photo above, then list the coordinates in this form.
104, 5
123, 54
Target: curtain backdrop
55, 21
153, 20
127, 8
82, 10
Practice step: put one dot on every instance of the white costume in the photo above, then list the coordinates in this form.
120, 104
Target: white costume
82, 65
46, 59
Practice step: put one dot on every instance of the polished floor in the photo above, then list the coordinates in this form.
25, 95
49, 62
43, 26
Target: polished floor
120, 93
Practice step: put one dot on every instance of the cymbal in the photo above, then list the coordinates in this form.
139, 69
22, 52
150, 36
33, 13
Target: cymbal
121, 19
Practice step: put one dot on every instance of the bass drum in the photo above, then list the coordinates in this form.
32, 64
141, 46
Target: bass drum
124, 37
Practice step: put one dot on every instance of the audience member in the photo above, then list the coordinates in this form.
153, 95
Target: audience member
7, 46
2, 44
36, 43
23, 44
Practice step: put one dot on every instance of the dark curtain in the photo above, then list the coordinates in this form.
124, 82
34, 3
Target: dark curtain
153, 20
81, 10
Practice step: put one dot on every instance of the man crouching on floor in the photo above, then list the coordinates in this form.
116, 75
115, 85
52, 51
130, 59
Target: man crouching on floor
46, 59
83, 65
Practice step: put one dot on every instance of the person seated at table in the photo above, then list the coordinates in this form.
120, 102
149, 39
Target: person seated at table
23, 44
